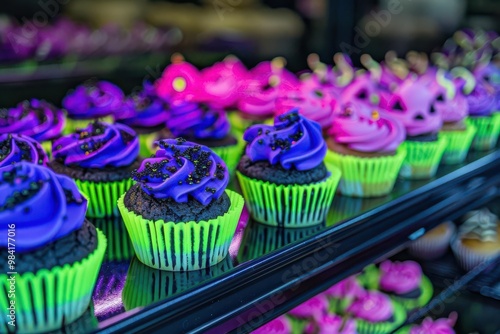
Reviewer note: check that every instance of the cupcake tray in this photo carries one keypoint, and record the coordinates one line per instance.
(271, 270)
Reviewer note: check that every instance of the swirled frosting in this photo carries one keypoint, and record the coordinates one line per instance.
(180, 170)
(364, 133)
(99, 145)
(482, 100)
(374, 306)
(197, 120)
(144, 109)
(16, 148)
(439, 326)
(43, 205)
(221, 82)
(452, 109)
(257, 98)
(348, 288)
(313, 308)
(180, 80)
(280, 325)
(400, 277)
(480, 225)
(331, 324)
(93, 100)
(35, 118)
(293, 142)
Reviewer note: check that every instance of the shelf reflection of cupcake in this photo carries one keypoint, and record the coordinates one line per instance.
(87, 323)
(146, 285)
(119, 244)
(261, 239)
(344, 207)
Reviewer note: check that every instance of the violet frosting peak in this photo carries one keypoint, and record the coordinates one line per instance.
(196, 120)
(363, 133)
(312, 308)
(293, 142)
(439, 326)
(450, 102)
(144, 109)
(331, 324)
(373, 306)
(35, 118)
(180, 170)
(99, 145)
(94, 100)
(482, 100)
(400, 277)
(15, 148)
(280, 325)
(43, 205)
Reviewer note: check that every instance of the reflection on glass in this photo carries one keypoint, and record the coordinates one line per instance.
(119, 244)
(344, 207)
(146, 285)
(107, 297)
(85, 324)
(261, 239)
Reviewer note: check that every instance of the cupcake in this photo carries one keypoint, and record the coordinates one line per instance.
(331, 324)
(55, 247)
(179, 215)
(38, 119)
(280, 325)
(16, 148)
(454, 109)
(306, 312)
(477, 239)
(100, 159)
(343, 293)
(367, 151)
(146, 114)
(283, 163)
(412, 103)
(405, 283)
(375, 313)
(94, 100)
(434, 243)
(430, 326)
(180, 80)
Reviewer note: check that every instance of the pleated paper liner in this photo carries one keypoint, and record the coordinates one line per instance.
(422, 158)
(289, 205)
(488, 130)
(183, 245)
(459, 143)
(369, 277)
(103, 196)
(260, 239)
(73, 124)
(467, 258)
(366, 327)
(430, 248)
(119, 245)
(425, 296)
(366, 177)
(345, 207)
(145, 285)
(87, 323)
(230, 154)
(49, 299)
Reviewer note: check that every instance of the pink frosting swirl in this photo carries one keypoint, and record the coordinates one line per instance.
(257, 98)
(362, 88)
(400, 277)
(367, 134)
(331, 324)
(313, 308)
(439, 326)
(179, 80)
(280, 325)
(348, 288)
(374, 306)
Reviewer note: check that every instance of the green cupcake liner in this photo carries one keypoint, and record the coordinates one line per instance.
(297, 325)
(459, 143)
(404, 330)
(103, 196)
(366, 177)
(73, 124)
(369, 277)
(230, 154)
(366, 327)
(422, 158)
(119, 245)
(50, 299)
(412, 303)
(289, 205)
(145, 285)
(338, 306)
(488, 130)
(183, 245)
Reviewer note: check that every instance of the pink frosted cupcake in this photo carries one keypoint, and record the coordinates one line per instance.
(280, 325)
(434, 243)
(429, 326)
(331, 324)
(406, 284)
(312, 309)
(180, 80)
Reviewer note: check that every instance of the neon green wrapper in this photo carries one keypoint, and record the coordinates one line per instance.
(289, 205)
(103, 196)
(145, 285)
(459, 143)
(73, 124)
(366, 327)
(488, 130)
(50, 299)
(366, 177)
(183, 245)
(424, 298)
(422, 158)
(369, 277)
(119, 244)
(230, 154)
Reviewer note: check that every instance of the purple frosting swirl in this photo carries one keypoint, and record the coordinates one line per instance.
(15, 148)
(93, 100)
(145, 109)
(293, 142)
(43, 205)
(99, 145)
(482, 100)
(35, 118)
(181, 169)
(197, 120)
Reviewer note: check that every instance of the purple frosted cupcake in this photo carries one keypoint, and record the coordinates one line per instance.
(280, 325)
(343, 293)
(15, 148)
(430, 326)
(92, 101)
(100, 159)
